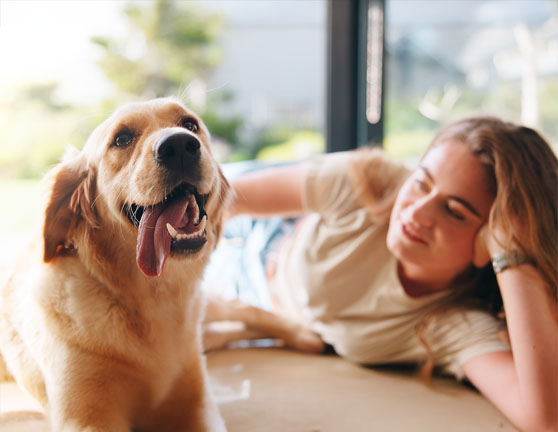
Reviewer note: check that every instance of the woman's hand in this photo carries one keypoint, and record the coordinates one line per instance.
(481, 253)
(489, 243)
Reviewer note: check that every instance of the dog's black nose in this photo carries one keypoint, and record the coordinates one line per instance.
(179, 152)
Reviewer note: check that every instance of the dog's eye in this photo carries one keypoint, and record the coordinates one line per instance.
(190, 124)
(123, 139)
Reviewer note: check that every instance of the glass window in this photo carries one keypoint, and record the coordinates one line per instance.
(272, 75)
(449, 59)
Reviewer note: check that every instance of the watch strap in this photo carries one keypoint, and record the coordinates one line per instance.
(504, 260)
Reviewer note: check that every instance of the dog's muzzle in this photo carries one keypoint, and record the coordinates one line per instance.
(176, 224)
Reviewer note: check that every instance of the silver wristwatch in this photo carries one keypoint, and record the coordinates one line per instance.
(503, 260)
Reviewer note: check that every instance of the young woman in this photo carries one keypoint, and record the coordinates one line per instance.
(434, 265)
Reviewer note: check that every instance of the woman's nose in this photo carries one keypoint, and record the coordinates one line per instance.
(422, 211)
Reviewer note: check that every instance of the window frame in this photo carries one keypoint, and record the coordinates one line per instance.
(347, 125)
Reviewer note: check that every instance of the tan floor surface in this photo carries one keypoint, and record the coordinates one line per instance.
(276, 390)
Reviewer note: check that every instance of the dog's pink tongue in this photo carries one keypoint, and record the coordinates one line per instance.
(154, 240)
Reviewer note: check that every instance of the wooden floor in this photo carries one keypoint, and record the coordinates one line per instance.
(276, 390)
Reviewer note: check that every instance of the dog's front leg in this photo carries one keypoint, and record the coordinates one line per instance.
(89, 394)
(189, 406)
(78, 415)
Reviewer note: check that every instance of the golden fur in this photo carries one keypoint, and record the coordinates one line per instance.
(100, 344)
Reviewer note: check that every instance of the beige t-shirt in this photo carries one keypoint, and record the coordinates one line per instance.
(337, 276)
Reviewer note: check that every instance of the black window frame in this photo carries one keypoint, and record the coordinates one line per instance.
(347, 125)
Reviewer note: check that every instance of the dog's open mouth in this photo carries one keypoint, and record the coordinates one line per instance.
(175, 225)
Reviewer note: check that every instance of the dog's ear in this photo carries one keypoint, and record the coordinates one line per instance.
(71, 197)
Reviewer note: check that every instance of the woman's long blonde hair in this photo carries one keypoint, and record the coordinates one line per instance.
(523, 172)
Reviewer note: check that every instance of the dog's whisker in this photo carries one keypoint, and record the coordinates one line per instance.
(95, 200)
(135, 216)
(183, 93)
(116, 200)
(120, 225)
(219, 87)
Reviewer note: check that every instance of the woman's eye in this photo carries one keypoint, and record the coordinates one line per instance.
(421, 185)
(190, 124)
(123, 139)
(454, 213)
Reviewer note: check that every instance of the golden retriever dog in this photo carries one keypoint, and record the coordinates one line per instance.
(100, 318)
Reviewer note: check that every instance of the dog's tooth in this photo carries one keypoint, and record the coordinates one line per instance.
(196, 218)
(202, 224)
(173, 233)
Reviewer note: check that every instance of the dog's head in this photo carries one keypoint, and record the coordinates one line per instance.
(146, 171)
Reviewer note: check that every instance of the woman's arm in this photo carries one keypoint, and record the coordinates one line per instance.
(272, 191)
(523, 384)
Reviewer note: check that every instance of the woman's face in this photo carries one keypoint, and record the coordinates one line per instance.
(438, 213)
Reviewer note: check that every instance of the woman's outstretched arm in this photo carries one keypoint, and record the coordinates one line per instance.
(271, 191)
(523, 384)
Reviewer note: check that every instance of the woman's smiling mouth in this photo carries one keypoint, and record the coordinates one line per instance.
(411, 234)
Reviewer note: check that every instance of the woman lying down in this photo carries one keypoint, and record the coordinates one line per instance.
(453, 265)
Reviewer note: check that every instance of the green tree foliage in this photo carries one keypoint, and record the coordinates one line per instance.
(36, 128)
(169, 44)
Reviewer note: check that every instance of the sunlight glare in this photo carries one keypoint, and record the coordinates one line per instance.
(46, 41)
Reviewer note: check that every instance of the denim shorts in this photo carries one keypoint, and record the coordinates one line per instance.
(237, 268)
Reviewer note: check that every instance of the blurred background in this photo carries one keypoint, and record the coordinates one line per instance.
(273, 79)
